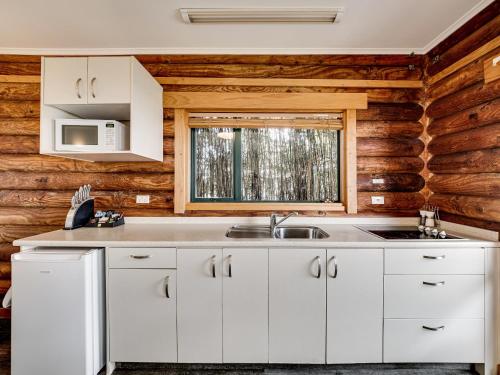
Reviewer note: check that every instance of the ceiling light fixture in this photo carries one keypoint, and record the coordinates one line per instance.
(270, 15)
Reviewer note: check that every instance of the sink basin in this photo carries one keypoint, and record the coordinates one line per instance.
(282, 232)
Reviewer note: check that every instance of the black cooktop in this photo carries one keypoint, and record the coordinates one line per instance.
(408, 233)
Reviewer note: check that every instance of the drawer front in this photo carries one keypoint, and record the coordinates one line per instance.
(434, 296)
(141, 257)
(435, 261)
(459, 341)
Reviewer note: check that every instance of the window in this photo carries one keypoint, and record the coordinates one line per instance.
(265, 164)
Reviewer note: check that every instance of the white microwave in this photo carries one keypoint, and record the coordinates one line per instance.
(81, 135)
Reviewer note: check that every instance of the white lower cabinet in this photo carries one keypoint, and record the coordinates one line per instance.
(434, 340)
(297, 305)
(199, 305)
(245, 305)
(354, 305)
(142, 315)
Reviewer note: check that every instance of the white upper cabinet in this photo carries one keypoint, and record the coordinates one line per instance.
(297, 305)
(109, 80)
(355, 305)
(65, 80)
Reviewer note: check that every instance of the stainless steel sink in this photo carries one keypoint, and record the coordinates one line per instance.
(282, 232)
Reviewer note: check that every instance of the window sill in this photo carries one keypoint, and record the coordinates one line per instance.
(265, 206)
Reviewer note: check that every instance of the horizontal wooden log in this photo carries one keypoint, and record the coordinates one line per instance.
(293, 60)
(168, 146)
(479, 115)
(389, 129)
(44, 163)
(458, 219)
(32, 216)
(369, 165)
(481, 161)
(11, 126)
(20, 68)
(6, 250)
(390, 112)
(379, 95)
(16, 109)
(482, 208)
(389, 147)
(5, 270)
(483, 184)
(19, 91)
(280, 71)
(22, 144)
(398, 182)
(4, 287)
(464, 99)
(467, 76)
(10, 233)
(168, 128)
(100, 181)
(392, 201)
(103, 199)
(20, 59)
(475, 139)
(468, 44)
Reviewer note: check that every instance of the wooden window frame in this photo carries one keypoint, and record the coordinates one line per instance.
(184, 103)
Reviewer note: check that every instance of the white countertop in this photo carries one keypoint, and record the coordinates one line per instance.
(208, 235)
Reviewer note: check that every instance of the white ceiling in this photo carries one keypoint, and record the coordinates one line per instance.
(154, 26)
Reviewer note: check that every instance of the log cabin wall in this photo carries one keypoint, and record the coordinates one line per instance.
(464, 122)
(35, 190)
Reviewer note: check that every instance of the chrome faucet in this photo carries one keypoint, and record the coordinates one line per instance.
(275, 224)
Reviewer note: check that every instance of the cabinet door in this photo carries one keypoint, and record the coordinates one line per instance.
(297, 305)
(109, 80)
(245, 305)
(65, 80)
(142, 315)
(199, 305)
(355, 305)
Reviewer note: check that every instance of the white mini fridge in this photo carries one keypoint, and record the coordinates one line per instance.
(58, 312)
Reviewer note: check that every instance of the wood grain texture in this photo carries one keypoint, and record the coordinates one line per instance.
(483, 184)
(482, 208)
(459, 219)
(389, 147)
(10, 233)
(390, 112)
(464, 99)
(389, 129)
(19, 91)
(480, 161)
(16, 126)
(393, 201)
(397, 182)
(479, 115)
(390, 165)
(19, 109)
(6, 250)
(469, 140)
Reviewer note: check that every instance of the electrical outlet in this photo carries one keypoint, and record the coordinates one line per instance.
(142, 199)
(377, 181)
(377, 200)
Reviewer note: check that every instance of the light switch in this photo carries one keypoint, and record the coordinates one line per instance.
(142, 199)
(377, 200)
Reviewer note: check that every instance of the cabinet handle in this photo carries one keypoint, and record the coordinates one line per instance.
(92, 86)
(140, 256)
(229, 266)
(435, 257)
(77, 88)
(335, 267)
(439, 283)
(319, 266)
(167, 279)
(433, 328)
(212, 265)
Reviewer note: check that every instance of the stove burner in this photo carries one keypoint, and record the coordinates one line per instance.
(407, 234)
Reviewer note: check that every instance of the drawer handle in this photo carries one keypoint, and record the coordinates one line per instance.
(212, 265)
(434, 257)
(140, 256)
(440, 328)
(77, 88)
(333, 259)
(439, 283)
(318, 275)
(167, 278)
(229, 266)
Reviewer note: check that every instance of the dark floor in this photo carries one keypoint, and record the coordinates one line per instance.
(174, 369)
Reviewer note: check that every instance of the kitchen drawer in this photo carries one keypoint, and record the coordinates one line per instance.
(453, 296)
(435, 261)
(141, 257)
(460, 341)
